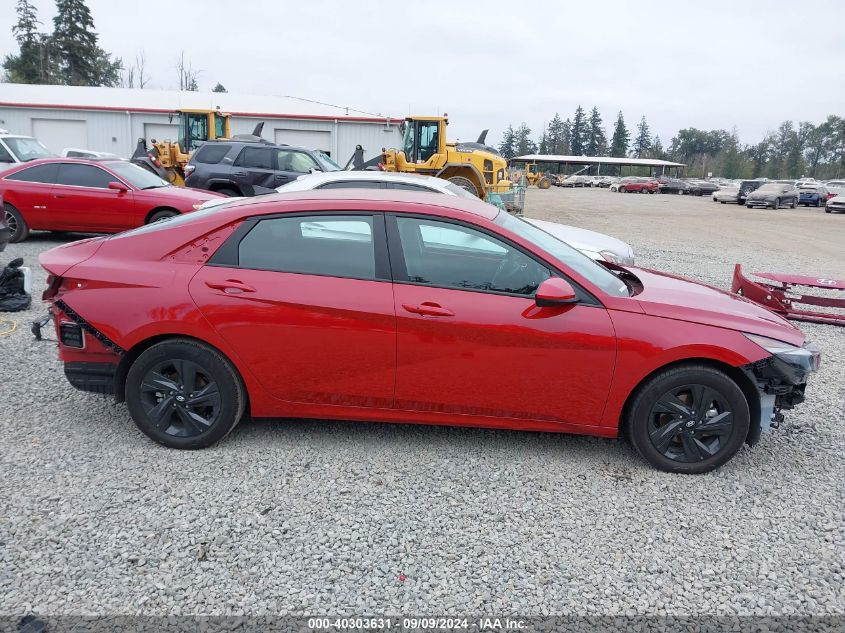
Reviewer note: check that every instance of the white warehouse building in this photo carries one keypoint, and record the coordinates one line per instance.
(113, 119)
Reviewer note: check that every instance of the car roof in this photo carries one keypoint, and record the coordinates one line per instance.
(319, 178)
(477, 208)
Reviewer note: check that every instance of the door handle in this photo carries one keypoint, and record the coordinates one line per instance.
(428, 308)
(59, 195)
(230, 286)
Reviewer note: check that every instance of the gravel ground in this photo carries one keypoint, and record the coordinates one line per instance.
(323, 517)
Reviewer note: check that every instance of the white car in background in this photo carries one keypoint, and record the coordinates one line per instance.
(836, 187)
(90, 154)
(728, 193)
(597, 246)
(16, 148)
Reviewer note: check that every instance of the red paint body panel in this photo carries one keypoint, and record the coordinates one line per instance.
(58, 207)
(326, 347)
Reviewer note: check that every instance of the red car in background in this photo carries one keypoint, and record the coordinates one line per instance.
(89, 196)
(638, 185)
(421, 308)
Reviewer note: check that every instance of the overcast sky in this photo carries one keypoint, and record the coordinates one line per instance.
(720, 64)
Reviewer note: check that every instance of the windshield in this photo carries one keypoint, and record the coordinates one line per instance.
(326, 162)
(27, 149)
(576, 260)
(136, 176)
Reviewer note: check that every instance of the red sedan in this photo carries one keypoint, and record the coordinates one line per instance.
(419, 308)
(90, 196)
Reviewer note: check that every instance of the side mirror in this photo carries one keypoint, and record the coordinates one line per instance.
(314, 170)
(555, 292)
(118, 186)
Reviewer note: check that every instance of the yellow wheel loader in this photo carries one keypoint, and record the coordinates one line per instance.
(475, 167)
(167, 158)
(532, 176)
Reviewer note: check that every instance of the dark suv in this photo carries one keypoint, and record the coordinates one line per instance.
(249, 168)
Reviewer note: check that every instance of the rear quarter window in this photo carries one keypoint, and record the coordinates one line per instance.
(211, 153)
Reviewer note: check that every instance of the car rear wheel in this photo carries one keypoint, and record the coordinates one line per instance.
(689, 419)
(183, 394)
(17, 225)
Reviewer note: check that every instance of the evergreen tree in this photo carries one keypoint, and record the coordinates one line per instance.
(578, 133)
(642, 144)
(596, 137)
(657, 149)
(523, 142)
(82, 61)
(35, 63)
(621, 138)
(557, 136)
(219, 88)
(566, 137)
(544, 144)
(731, 164)
(507, 148)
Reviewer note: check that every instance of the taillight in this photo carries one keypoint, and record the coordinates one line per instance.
(189, 169)
(53, 285)
(154, 159)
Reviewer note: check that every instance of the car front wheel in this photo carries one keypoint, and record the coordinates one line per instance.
(689, 419)
(183, 394)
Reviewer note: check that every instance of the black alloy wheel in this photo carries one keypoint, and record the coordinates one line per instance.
(184, 394)
(689, 419)
(690, 423)
(180, 398)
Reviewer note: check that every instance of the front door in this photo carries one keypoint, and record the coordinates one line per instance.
(307, 304)
(471, 340)
(82, 201)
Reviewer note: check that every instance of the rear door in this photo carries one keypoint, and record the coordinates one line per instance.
(82, 200)
(306, 303)
(254, 167)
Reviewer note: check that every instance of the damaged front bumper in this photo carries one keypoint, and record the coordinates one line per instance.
(780, 380)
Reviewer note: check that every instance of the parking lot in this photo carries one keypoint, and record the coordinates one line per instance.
(326, 517)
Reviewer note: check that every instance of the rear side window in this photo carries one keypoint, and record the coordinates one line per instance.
(84, 176)
(39, 173)
(211, 153)
(351, 184)
(255, 158)
(336, 246)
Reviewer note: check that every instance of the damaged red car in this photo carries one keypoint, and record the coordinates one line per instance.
(406, 307)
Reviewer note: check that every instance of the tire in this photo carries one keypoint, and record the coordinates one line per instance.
(185, 423)
(689, 419)
(544, 183)
(17, 225)
(466, 184)
(747, 206)
(159, 215)
(724, 202)
(228, 192)
(776, 204)
(826, 210)
(622, 190)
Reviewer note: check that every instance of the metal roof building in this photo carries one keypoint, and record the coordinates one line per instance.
(560, 164)
(113, 119)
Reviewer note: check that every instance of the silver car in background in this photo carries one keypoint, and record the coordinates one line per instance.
(773, 194)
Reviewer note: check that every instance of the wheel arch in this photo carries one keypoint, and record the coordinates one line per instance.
(736, 374)
(155, 210)
(129, 357)
(467, 170)
(217, 185)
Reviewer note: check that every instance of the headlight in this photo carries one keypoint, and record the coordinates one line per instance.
(616, 258)
(806, 358)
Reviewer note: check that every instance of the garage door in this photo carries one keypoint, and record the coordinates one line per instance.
(57, 134)
(310, 139)
(160, 132)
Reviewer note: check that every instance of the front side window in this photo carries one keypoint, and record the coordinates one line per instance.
(219, 126)
(298, 162)
(83, 176)
(138, 177)
(326, 161)
(337, 246)
(40, 173)
(196, 126)
(454, 256)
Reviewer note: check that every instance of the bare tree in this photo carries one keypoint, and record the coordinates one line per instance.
(187, 75)
(141, 65)
(127, 78)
